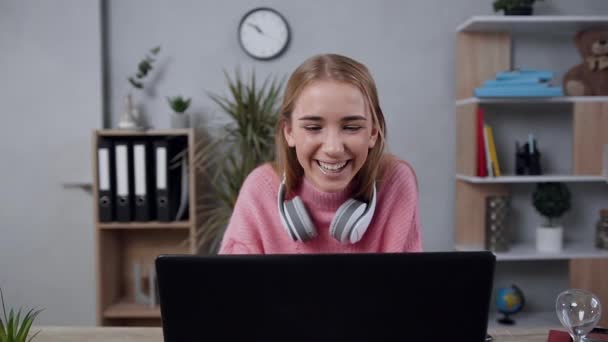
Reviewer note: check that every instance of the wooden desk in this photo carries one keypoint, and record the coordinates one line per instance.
(122, 334)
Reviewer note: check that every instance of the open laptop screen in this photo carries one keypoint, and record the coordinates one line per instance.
(346, 297)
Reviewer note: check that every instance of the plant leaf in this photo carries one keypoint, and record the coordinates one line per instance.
(246, 142)
(10, 327)
(32, 337)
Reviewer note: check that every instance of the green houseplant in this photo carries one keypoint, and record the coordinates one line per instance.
(515, 7)
(551, 200)
(246, 142)
(179, 119)
(14, 327)
(131, 117)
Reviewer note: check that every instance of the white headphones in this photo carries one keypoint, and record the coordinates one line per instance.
(348, 225)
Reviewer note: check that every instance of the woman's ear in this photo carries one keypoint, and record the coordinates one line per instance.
(374, 137)
(288, 133)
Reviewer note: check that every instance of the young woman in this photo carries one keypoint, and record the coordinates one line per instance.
(332, 188)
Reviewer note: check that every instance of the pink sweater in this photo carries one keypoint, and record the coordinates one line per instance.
(255, 226)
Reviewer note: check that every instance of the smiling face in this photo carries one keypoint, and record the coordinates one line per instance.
(331, 129)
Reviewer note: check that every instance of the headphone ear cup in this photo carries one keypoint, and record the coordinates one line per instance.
(345, 219)
(298, 220)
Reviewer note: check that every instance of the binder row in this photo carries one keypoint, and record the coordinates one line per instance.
(142, 179)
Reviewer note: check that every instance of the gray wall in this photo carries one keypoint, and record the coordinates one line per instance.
(54, 56)
(50, 92)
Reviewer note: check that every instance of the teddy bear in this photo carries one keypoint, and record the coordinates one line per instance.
(589, 78)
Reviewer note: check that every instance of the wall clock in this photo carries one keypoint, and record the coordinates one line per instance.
(264, 33)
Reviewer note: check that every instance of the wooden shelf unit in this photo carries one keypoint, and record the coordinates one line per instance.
(483, 48)
(532, 179)
(120, 244)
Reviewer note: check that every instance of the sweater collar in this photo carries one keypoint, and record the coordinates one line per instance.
(315, 198)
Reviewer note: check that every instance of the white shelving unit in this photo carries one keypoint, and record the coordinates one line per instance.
(533, 101)
(527, 251)
(528, 320)
(532, 179)
(531, 24)
(484, 46)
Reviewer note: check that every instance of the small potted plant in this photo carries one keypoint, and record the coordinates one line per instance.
(515, 7)
(551, 200)
(131, 117)
(15, 327)
(179, 119)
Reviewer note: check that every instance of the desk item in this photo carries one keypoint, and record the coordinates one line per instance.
(497, 228)
(579, 311)
(106, 180)
(527, 158)
(520, 83)
(326, 297)
(509, 301)
(601, 234)
(124, 181)
(596, 335)
(171, 169)
(143, 164)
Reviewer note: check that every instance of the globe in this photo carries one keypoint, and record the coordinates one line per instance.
(509, 301)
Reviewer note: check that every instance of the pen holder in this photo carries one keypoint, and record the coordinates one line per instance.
(526, 162)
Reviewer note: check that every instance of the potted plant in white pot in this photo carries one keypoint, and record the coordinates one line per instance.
(246, 142)
(131, 117)
(15, 327)
(179, 118)
(551, 200)
(515, 7)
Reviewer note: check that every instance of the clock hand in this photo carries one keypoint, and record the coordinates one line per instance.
(256, 27)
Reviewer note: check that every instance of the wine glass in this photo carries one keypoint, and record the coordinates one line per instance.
(578, 311)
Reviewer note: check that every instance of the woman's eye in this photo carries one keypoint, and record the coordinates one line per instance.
(312, 128)
(352, 128)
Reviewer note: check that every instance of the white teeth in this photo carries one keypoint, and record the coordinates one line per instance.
(331, 167)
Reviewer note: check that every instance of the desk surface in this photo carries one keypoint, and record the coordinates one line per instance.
(119, 334)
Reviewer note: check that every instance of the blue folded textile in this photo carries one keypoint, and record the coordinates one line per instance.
(543, 75)
(524, 81)
(522, 91)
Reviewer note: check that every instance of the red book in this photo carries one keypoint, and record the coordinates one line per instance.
(596, 335)
(482, 170)
(558, 336)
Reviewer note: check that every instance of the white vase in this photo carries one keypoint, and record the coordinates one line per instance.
(180, 120)
(130, 118)
(549, 239)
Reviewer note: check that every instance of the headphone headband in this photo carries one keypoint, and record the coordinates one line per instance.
(348, 225)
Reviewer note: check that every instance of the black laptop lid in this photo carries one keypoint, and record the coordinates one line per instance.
(347, 297)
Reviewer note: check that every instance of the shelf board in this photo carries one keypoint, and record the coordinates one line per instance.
(527, 251)
(154, 132)
(531, 24)
(532, 179)
(146, 225)
(532, 100)
(124, 309)
(526, 319)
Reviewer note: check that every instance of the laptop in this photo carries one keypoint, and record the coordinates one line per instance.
(431, 296)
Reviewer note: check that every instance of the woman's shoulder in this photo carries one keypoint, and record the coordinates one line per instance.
(262, 177)
(398, 171)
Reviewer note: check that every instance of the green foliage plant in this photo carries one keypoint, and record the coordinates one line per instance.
(178, 104)
(246, 142)
(143, 68)
(14, 327)
(508, 5)
(551, 200)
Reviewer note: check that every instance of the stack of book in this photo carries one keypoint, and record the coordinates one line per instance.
(487, 158)
(520, 83)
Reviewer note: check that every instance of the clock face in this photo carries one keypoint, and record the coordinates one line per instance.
(263, 33)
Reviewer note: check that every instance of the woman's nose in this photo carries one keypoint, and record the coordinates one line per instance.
(333, 143)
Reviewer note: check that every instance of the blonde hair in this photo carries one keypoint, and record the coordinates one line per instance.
(342, 69)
